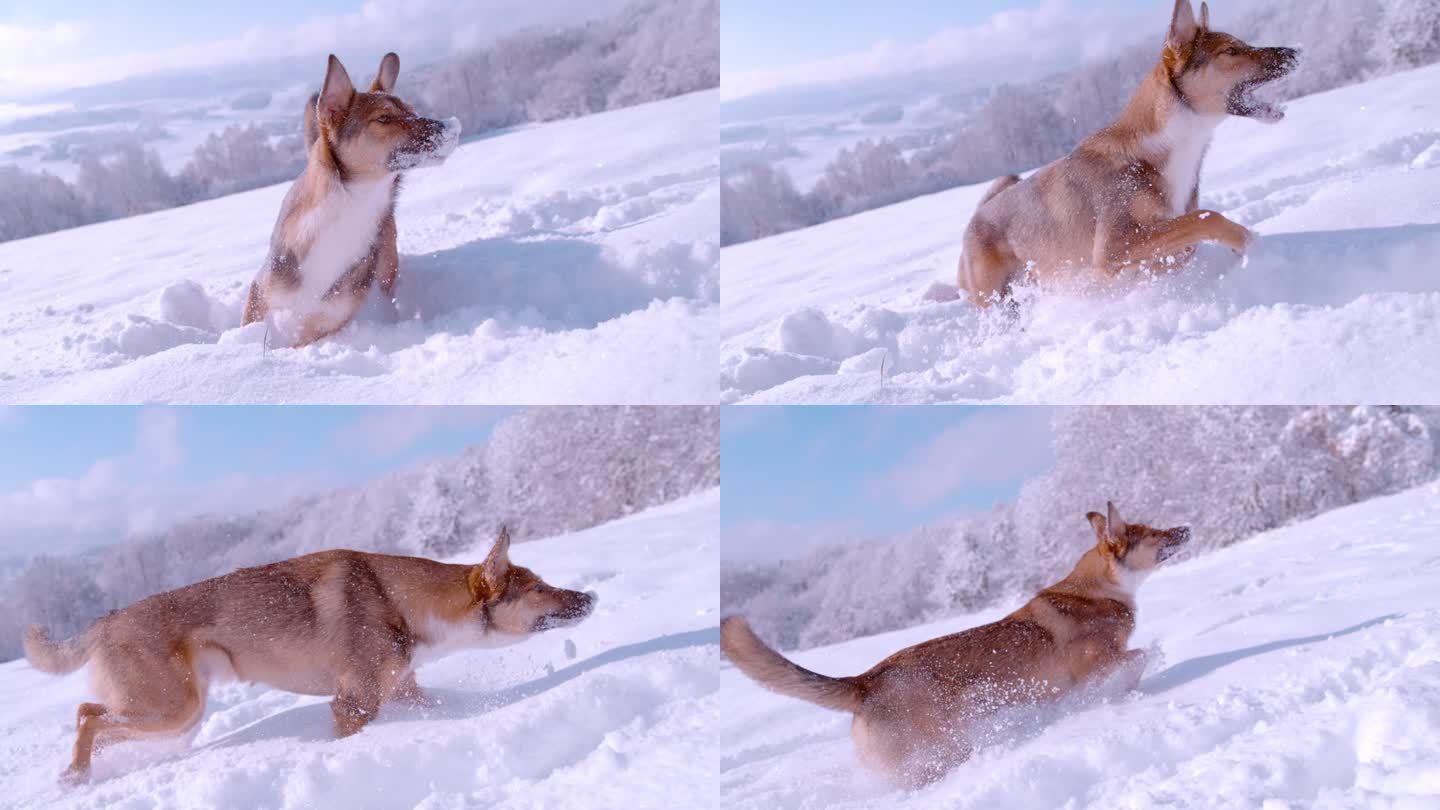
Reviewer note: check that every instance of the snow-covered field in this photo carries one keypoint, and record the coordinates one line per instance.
(1299, 668)
(626, 724)
(1339, 301)
(572, 262)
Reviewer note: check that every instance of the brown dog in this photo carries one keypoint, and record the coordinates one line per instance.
(343, 623)
(335, 236)
(917, 712)
(1129, 194)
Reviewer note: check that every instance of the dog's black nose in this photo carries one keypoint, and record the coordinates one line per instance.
(1284, 60)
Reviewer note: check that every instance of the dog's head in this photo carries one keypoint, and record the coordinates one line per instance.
(1133, 548)
(1217, 73)
(516, 602)
(376, 133)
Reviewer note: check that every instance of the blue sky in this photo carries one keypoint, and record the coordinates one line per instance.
(769, 45)
(76, 476)
(797, 476)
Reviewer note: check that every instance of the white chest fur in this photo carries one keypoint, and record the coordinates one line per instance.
(1179, 150)
(442, 638)
(341, 230)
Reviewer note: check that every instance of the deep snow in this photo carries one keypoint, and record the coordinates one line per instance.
(627, 723)
(1337, 302)
(574, 262)
(1299, 668)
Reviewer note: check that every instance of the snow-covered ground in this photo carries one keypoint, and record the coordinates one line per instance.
(626, 724)
(1339, 301)
(1299, 668)
(572, 262)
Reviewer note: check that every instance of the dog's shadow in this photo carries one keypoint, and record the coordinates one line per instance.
(314, 722)
(549, 284)
(1198, 667)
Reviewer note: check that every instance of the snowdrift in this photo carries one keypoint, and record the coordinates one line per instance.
(1337, 302)
(1300, 668)
(626, 723)
(574, 262)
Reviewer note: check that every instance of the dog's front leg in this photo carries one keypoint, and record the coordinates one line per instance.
(1133, 244)
(356, 704)
(255, 309)
(387, 267)
(1130, 668)
(407, 691)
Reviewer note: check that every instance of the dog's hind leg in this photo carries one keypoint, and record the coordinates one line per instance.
(987, 266)
(147, 696)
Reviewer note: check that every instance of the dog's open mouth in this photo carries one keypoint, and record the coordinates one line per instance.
(1245, 99)
(1244, 102)
(1172, 545)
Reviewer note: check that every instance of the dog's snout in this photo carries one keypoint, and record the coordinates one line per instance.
(1182, 534)
(1280, 61)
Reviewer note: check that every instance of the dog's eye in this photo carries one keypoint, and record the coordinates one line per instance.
(385, 119)
(1232, 51)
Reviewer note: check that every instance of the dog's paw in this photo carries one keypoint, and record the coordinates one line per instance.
(74, 776)
(940, 292)
(1243, 240)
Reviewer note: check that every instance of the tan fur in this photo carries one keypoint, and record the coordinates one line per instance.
(342, 623)
(918, 713)
(351, 140)
(1129, 194)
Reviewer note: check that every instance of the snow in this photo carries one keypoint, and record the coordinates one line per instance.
(572, 262)
(624, 724)
(1299, 668)
(1336, 302)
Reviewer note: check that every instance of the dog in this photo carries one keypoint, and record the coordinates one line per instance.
(346, 624)
(1129, 194)
(919, 712)
(335, 236)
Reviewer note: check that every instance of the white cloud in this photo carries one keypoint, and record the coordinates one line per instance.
(1053, 31)
(391, 431)
(75, 54)
(139, 491)
(998, 445)
(771, 540)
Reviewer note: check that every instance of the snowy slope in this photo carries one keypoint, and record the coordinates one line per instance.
(1345, 193)
(1301, 668)
(625, 724)
(571, 262)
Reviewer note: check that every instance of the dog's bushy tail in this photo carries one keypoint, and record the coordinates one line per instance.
(1000, 184)
(778, 674)
(55, 657)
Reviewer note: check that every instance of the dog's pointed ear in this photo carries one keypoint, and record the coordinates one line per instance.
(1109, 527)
(387, 74)
(1097, 522)
(1204, 16)
(1183, 28)
(1113, 522)
(335, 94)
(486, 578)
